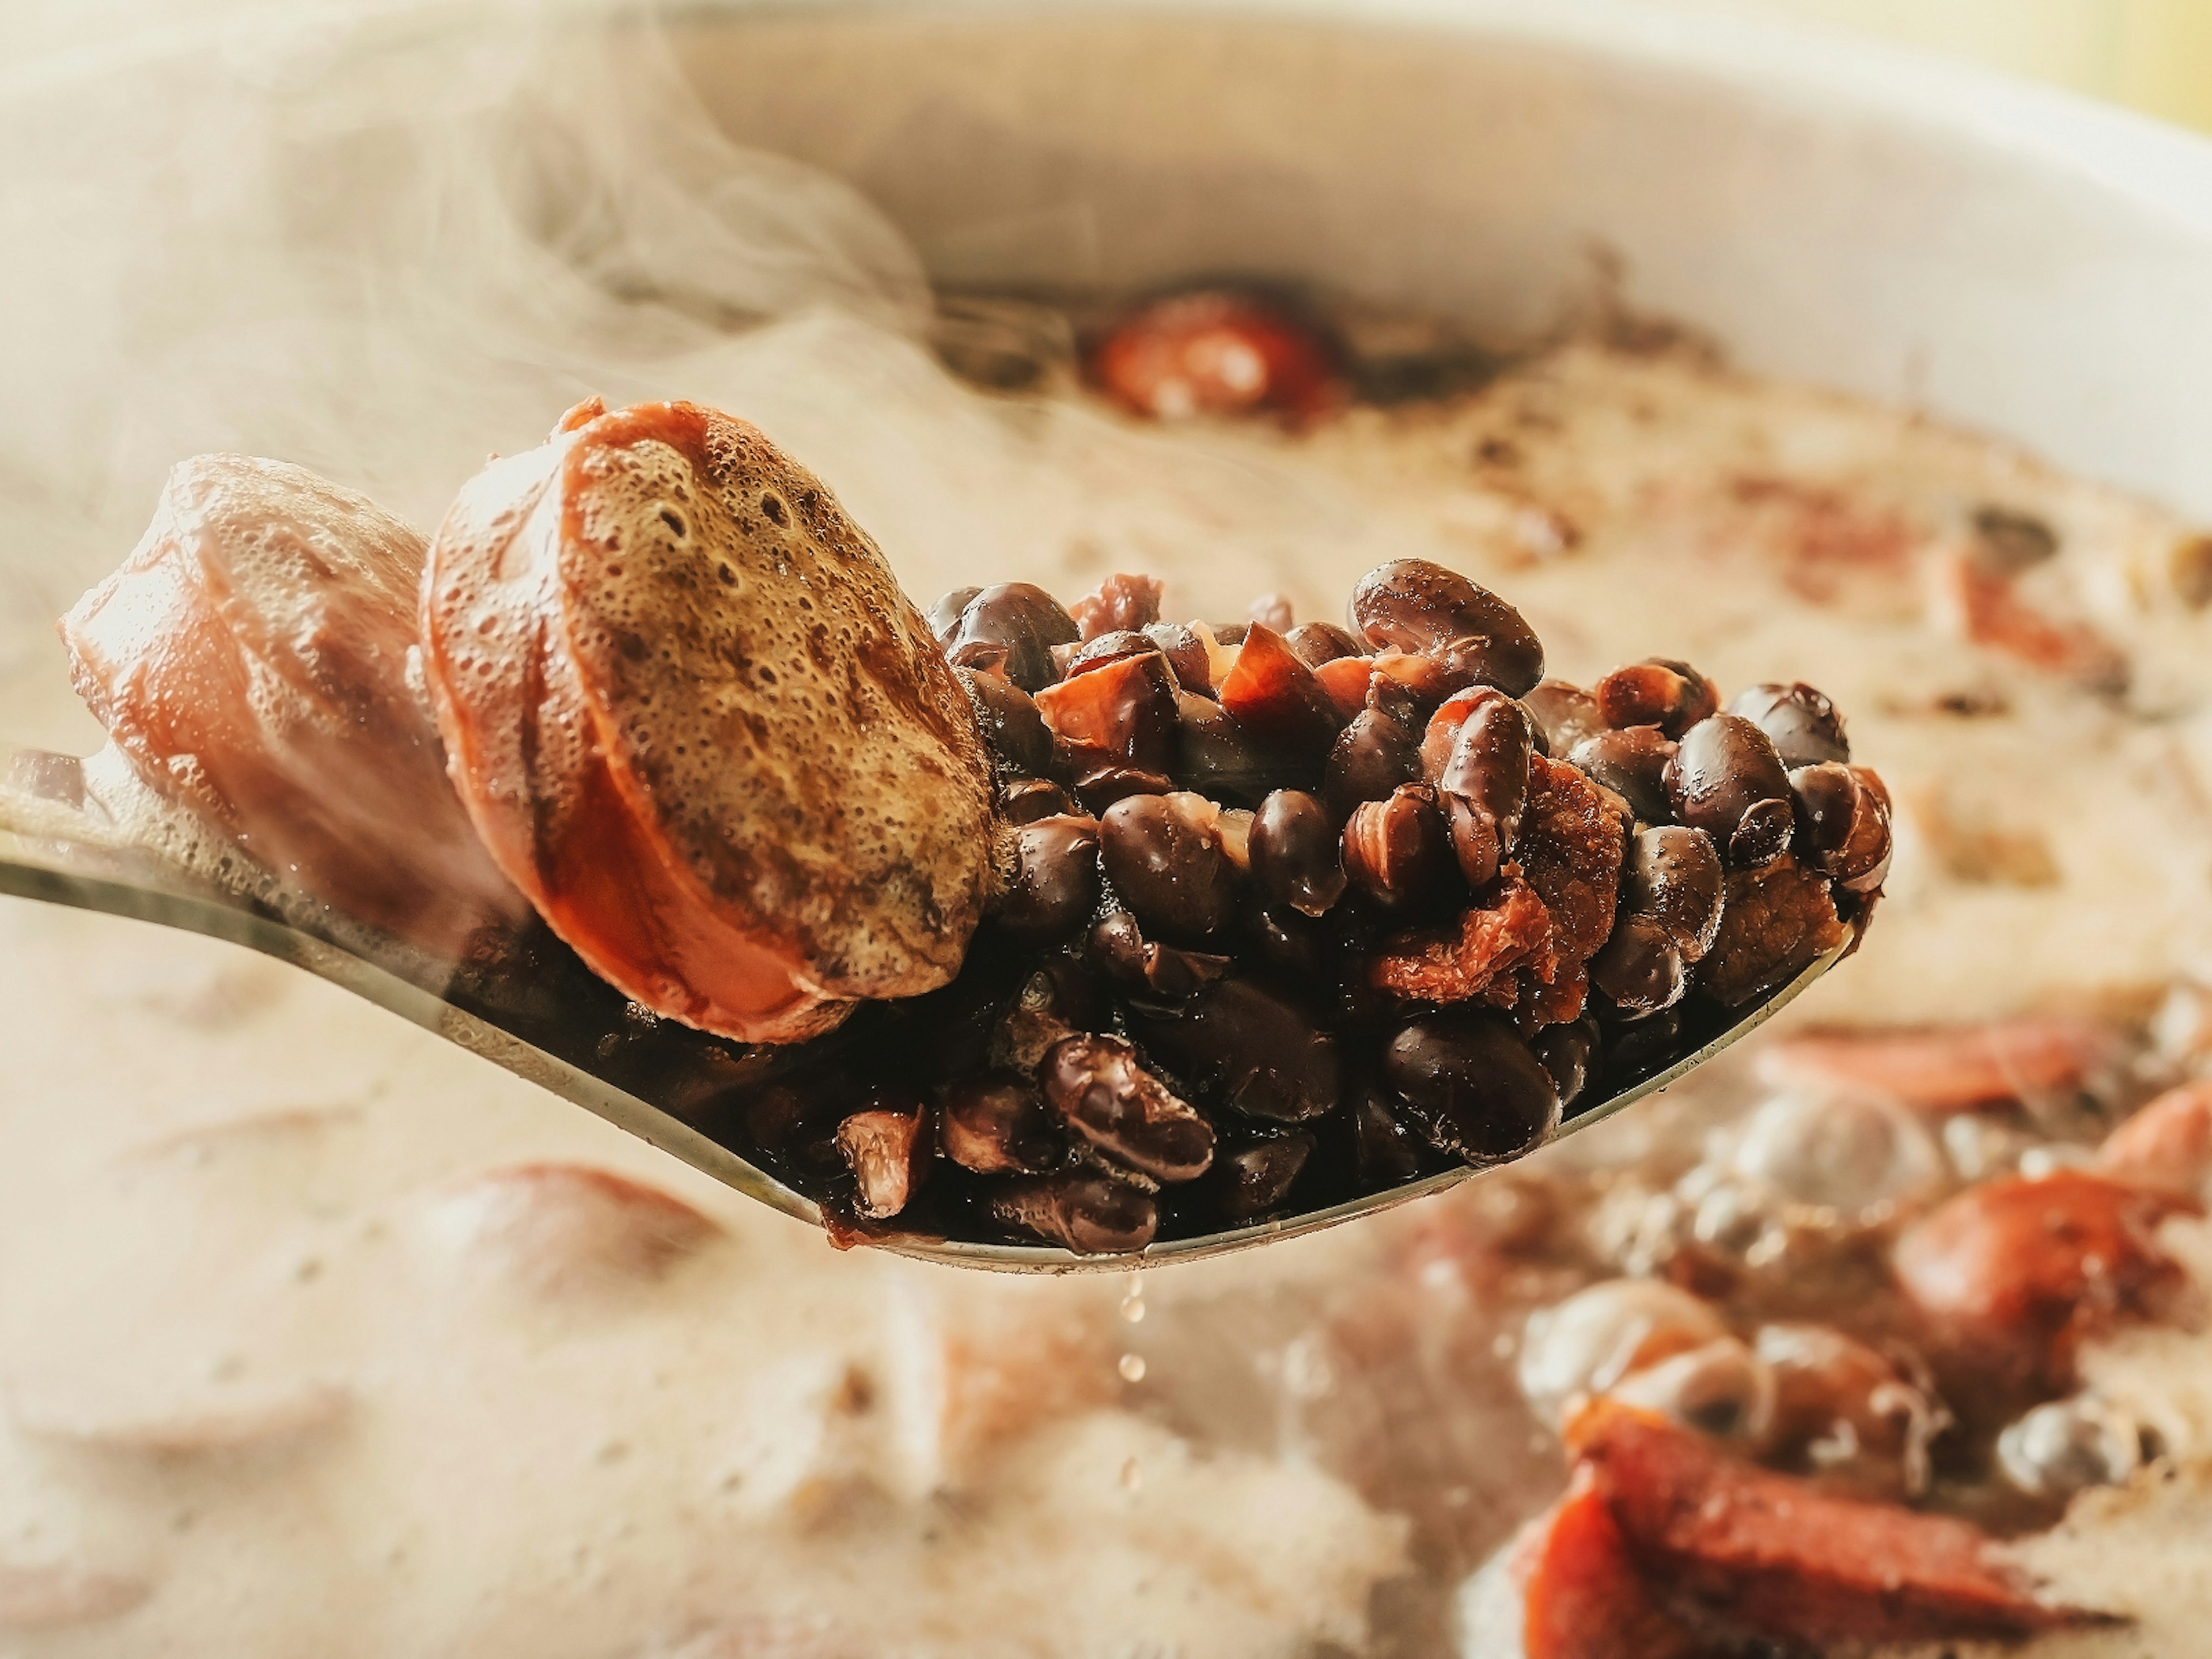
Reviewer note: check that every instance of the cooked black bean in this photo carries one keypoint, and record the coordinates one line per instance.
(1376, 753)
(1118, 945)
(1484, 784)
(1633, 763)
(1103, 1092)
(1021, 620)
(1386, 1149)
(1294, 852)
(1161, 854)
(1639, 970)
(1060, 998)
(1010, 721)
(1844, 817)
(945, 614)
(1471, 1084)
(1028, 799)
(1255, 1179)
(1763, 835)
(1635, 1050)
(2009, 541)
(1721, 769)
(1802, 725)
(1564, 713)
(1106, 647)
(1229, 633)
(1101, 787)
(1249, 1047)
(1288, 944)
(997, 1123)
(1657, 691)
(1215, 756)
(1416, 606)
(1316, 643)
(1399, 852)
(889, 1148)
(1089, 1214)
(1055, 881)
(1186, 655)
(1569, 1053)
(1673, 876)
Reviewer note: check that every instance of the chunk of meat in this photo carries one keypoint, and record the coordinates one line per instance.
(2168, 1145)
(1947, 1068)
(1121, 603)
(1581, 1594)
(1773, 1557)
(1985, 606)
(1473, 957)
(1215, 353)
(1573, 836)
(696, 720)
(250, 659)
(2013, 1272)
(1776, 921)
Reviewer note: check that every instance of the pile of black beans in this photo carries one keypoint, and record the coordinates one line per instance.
(1295, 913)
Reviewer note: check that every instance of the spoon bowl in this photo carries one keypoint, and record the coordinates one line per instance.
(59, 846)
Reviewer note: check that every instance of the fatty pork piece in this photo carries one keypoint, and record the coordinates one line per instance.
(250, 660)
(694, 718)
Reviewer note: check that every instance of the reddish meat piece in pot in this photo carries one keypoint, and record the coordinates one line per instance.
(250, 659)
(696, 720)
(1772, 1557)
(1582, 1596)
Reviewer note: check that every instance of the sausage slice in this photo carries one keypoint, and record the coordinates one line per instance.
(696, 720)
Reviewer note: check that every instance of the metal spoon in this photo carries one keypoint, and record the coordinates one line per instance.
(57, 846)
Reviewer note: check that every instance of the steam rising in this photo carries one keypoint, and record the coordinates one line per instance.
(386, 247)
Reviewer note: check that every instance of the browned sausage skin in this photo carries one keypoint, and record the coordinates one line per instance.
(696, 720)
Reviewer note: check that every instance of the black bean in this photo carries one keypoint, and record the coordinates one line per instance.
(945, 614)
(1229, 633)
(1414, 605)
(1055, 882)
(1217, 756)
(1162, 971)
(1253, 1049)
(1638, 969)
(1569, 1053)
(1721, 769)
(1564, 713)
(888, 1146)
(1288, 944)
(1763, 835)
(1103, 785)
(1386, 1149)
(1030, 799)
(1673, 876)
(1483, 783)
(1163, 857)
(1633, 763)
(1009, 721)
(1802, 725)
(1294, 852)
(1471, 1084)
(1121, 713)
(1186, 655)
(996, 1123)
(1657, 691)
(1106, 647)
(1021, 620)
(1399, 852)
(1060, 997)
(1316, 643)
(1103, 1092)
(1089, 1214)
(1844, 812)
(1378, 751)
(1258, 1178)
(1634, 1051)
